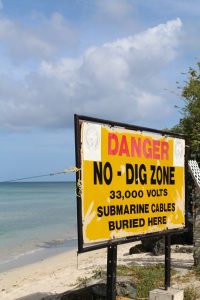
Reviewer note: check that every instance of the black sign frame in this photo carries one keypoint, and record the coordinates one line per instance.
(78, 119)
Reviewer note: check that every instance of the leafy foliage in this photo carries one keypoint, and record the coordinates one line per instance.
(190, 122)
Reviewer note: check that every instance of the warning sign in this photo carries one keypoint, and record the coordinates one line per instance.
(132, 181)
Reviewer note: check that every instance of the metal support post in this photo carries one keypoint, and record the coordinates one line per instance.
(111, 271)
(167, 260)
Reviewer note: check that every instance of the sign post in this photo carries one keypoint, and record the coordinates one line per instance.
(111, 271)
(167, 260)
(131, 185)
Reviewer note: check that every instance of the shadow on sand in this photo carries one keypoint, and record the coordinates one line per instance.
(40, 296)
(93, 292)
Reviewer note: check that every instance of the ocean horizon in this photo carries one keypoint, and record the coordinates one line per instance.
(37, 220)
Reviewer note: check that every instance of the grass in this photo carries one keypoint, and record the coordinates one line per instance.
(190, 293)
(82, 281)
(196, 270)
(146, 278)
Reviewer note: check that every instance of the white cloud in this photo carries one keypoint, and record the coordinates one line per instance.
(41, 40)
(120, 80)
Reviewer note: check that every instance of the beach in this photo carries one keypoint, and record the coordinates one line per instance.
(62, 272)
(38, 245)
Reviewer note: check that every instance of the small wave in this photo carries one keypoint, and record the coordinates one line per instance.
(59, 243)
(18, 256)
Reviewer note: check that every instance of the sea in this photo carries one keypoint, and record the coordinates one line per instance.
(37, 220)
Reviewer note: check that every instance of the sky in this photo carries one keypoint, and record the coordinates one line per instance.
(121, 60)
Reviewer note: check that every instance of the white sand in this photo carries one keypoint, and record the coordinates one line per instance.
(60, 273)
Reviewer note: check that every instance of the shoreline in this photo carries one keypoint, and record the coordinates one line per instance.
(57, 274)
(46, 250)
(37, 220)
(50, 276)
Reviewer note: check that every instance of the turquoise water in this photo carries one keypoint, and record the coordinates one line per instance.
(36, 220)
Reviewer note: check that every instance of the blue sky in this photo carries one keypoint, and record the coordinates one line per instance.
(112, 59)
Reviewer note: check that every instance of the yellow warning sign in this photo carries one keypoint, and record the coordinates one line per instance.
(132, 182)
